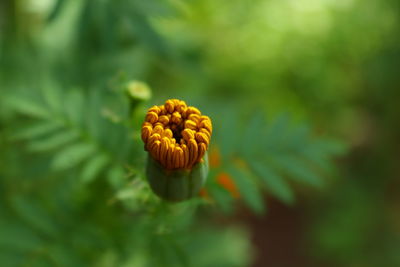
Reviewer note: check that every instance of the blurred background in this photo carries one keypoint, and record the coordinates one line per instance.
(304, 158)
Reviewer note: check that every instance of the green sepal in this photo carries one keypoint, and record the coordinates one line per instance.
(176, 185)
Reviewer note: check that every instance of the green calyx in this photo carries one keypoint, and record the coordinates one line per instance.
(176, 185)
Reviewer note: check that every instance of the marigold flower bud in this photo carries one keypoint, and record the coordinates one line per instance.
(177, 138)
(138, 91)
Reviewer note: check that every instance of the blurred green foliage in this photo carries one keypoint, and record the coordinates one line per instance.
(289, 86)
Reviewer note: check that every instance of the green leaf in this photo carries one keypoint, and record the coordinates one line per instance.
(331, 146)
(222, 197)
(93, 167)
(73, 155)
(277, 132)
(63, 255)
(10, 257)
(273, 182)
(34, 215)
(116, 176)
(95, 125)
(74, 106)
(58, 6)
(317, 156)
(54, 141)
(299, 138)
(27, 107)
(18, 237)
(227, 141)
(297, 170)
(52, 95)
(248, 188)
(37, 130)
(252, 132)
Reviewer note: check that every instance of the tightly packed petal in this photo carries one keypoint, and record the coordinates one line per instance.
(176, 135)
